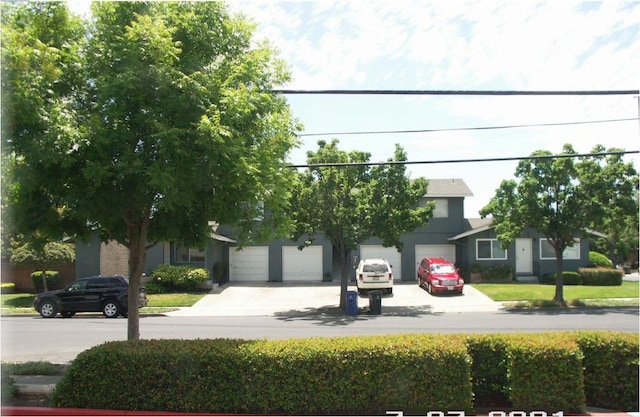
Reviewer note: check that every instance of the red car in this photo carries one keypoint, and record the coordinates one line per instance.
(439, 275)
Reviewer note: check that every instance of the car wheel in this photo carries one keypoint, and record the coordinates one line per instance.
(48, 309)
(67, 314)
(111, 309)
(429, 290)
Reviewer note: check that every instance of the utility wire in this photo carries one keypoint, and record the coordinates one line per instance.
(377, 132)
(455, 161)
(463, 92)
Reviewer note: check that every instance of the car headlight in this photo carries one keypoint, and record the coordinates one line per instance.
(436, 282)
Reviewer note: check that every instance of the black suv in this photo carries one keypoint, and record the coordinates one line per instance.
(106, 294)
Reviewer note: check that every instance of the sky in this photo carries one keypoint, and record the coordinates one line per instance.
(455, 45)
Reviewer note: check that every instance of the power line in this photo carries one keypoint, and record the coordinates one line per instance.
(466, 128)
(456, 161)
(464, 92)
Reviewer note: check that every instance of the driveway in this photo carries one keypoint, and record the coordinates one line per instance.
(281, 299)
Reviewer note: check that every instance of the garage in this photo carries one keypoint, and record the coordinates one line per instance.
(302, 265)
(390, 254)
(249, 264)
(447, 252)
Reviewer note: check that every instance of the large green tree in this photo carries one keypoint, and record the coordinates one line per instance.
(171, 125)
(43, 257)
(615, 182)
(351, 202)
(554, 196)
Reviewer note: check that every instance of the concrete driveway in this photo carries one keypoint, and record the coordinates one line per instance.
(281, 299)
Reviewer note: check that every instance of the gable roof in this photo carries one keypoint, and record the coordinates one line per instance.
(473, 226)
(477, 225)
(448, 187)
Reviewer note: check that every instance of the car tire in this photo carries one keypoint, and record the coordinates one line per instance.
(429, 290)
(111, 309)
(48, 309)
(67, 314)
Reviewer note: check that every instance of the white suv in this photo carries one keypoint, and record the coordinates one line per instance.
(374, 274)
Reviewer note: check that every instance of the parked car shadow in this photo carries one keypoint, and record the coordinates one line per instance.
(332, 315)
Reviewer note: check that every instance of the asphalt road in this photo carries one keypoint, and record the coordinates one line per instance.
(60, 340)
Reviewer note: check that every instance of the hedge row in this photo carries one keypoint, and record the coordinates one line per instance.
(587, 276)
(357, 375)
(167, 278)
(53, 280)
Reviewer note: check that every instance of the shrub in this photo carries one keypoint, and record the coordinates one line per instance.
(299, 376)
(601, 276)
(616, 356)
(488, 369)
(8, 288)
(498, 273)
(7, 387)
(598, 259)
(177, 278)
(544, 372)
(568, 278)
(52, 277)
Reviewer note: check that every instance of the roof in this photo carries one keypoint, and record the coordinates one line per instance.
(448, 187)
(474, 226)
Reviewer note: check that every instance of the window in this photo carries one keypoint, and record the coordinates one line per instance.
(185, 255)
(441, 209)
(490, 249)
(547, 251)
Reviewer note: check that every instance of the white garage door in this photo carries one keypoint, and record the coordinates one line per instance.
(249, 264)
(390, 254)
(447, 252)
(302, 265)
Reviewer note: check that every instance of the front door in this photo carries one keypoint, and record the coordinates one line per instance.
(524, 259)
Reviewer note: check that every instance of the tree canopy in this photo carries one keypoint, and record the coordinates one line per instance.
(350, 204)
(560, 197)
(144, 124)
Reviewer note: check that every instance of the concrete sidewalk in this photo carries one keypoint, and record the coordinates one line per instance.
(272, 298)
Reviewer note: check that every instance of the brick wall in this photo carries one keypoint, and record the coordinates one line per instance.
(114, 259)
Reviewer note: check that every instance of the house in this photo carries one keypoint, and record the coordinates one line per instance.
(448, 234)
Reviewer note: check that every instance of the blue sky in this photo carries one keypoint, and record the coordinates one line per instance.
(454, 45)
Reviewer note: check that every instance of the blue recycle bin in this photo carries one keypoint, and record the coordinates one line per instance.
(352, 303)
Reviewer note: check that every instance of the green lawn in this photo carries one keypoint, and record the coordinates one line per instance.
(524, 292)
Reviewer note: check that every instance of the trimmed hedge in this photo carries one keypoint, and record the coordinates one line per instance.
(358, 375)
(601, 276)
(610, 369)
(544, 372)
(568, 278)
(52, 277)
(353, 375)
(166, 278)
(599, 259)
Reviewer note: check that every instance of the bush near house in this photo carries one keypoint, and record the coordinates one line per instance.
(170, 278)
(53, 280)
(568, 278)
(601, 276)
(598, 259)
(416, 372)
(497, 273)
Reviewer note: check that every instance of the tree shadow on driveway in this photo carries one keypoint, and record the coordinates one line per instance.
(332, 315)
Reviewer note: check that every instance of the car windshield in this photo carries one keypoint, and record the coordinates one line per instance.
(442, 268)
(374, 268)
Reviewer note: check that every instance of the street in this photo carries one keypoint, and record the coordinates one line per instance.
(60, 340)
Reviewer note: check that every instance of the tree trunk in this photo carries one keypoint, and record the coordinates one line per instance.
(559, 297)
(137, 256)
(45, 287)
(345, 266)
